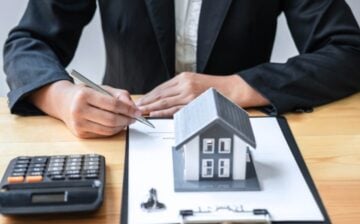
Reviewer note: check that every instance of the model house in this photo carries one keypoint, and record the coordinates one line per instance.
(215, 135)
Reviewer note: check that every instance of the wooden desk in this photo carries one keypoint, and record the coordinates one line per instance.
(329, 139)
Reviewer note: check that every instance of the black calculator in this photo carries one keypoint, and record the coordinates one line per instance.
(53, 184)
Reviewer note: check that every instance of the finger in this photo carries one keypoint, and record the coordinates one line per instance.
(124, 96)
(98, 129)
(155, 96)
(165, 89)
(119, 93)
(167, 112)
(127, 99)
(106, 118)
(87, 135)
(120, 105)
(163, 104)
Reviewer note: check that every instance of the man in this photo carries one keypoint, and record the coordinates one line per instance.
(175, 50)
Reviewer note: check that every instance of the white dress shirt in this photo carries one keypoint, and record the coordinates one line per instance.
(187, 13)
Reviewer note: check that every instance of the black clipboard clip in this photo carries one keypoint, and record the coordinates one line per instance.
(224, 214)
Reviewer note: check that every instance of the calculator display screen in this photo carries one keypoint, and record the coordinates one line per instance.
(48, 198)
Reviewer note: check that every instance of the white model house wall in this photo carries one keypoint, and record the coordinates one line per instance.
(239, 159)
(191, 156)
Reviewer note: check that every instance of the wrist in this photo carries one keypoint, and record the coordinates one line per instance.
(242, 93)
(52, 98)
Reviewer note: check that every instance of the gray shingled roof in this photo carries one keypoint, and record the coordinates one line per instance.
(208, 108)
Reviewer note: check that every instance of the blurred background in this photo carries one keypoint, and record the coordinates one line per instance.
(90, 55)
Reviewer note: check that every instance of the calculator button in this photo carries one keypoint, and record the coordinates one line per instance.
(23, 158)
(22, 162)
(92, 156)
(91, 163)
(58, 177)
(91, 167)
(34, 173)
(36, 169)
(39, 165)
(71, 172)
(92, 159)
(15, 180)
(39, 160)
(14, 174)
(55, 169)
(53, 173)
(73, 168)
(58, 157)
(72, 160)
(74, 156)
(19, 166)
(34, 179)
(74, 177)
(91, 171)
(91, 176)
(19, 170)
(57, 160)
(73, 164)
(54, 164)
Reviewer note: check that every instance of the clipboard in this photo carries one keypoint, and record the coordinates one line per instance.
(238, 215)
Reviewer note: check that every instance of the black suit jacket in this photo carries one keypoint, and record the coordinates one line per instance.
(235, 36)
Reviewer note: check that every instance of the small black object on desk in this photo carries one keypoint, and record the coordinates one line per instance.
(152, 203)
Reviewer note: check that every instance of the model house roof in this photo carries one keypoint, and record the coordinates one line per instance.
(209, 108)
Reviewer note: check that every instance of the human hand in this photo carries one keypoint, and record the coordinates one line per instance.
(88, 113)
(93, 114)
(169, 97)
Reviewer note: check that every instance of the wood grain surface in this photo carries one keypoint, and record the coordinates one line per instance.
(329, 140)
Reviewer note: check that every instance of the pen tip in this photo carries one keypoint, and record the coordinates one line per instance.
(145, 121)
(150, 124)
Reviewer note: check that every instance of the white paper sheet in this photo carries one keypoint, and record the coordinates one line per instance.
(284, 192)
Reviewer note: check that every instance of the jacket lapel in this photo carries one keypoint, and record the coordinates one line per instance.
(162, 16)
(213, 13)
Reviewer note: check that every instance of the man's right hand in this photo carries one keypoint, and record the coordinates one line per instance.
(87, 113)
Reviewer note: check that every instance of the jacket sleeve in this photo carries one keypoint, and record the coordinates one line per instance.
(328, 66)
(41, 45)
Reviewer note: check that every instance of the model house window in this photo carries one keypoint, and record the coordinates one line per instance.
(224, 168)
(208, 145)
(207, 168)
(224, 145)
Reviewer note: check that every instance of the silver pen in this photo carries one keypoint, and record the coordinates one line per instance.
(98, 88)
